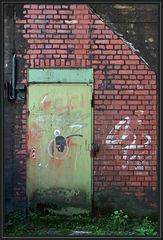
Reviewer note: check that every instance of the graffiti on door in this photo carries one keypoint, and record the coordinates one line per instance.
(58, 147)
(60, 104)
(66, 125)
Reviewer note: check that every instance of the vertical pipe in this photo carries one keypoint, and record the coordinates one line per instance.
(13, 77)
(12, 91)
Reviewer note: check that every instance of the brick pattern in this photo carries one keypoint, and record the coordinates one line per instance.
(125, 116)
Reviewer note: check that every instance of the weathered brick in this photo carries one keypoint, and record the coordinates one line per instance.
(49, 12)
(117, 41)
(33, 51)
(134, 57)
(49, 6)
(102, 41)
(136, 184)
(34, 12)
(131, 62)
(34, 6)
(117, 62)
(125, 72)
(140, 72)
(142, 92)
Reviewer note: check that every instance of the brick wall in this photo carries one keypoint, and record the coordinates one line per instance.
(125, 116)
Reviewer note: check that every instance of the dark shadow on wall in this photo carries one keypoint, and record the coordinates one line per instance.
(108, 201)
(12, 110)
(9, 113)
(136, 23)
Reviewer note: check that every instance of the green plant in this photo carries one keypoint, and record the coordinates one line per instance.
(146, 228)
(15, 217)
(116, 224)
(118, 220)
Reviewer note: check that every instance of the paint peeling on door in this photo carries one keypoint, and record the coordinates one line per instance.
(58, 134)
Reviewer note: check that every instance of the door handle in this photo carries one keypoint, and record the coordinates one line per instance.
(95, 148)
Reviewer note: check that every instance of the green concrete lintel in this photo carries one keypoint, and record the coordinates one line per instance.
(78, 75)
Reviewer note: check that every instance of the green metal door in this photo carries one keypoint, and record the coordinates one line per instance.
(59, 144)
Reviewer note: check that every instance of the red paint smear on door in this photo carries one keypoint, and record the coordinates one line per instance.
(46, 105)
(55, 162)
(58, 163)
(34, 133)
(70, 143)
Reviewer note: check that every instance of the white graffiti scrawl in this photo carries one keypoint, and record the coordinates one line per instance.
(124, 137)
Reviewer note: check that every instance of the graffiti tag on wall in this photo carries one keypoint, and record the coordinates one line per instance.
(124, 136)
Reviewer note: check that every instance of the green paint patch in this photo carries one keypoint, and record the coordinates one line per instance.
(61, 75)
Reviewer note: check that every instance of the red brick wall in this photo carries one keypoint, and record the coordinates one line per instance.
(125, 117)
